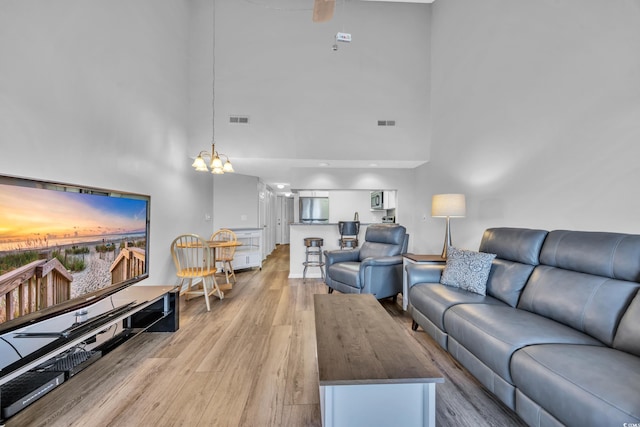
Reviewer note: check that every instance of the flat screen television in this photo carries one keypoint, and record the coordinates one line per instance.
(63, 247)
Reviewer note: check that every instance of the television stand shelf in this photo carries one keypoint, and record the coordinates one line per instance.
(77, 344)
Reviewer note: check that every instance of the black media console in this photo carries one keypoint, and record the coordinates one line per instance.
(42, 356)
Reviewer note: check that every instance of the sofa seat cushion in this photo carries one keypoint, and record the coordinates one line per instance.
(580, 385)
(494, 332)
(433, 299)
(346, 272)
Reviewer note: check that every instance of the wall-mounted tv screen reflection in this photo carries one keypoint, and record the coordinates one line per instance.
(62, 244)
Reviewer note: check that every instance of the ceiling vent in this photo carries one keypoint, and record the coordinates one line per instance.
(239, 120)
(386, 122)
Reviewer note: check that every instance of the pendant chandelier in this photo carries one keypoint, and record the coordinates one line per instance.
(215, 163)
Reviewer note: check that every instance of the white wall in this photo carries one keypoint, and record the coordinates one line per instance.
(96, 93)
(304, 100)
(273, 64)
(235, 201)
(344, 204)
(536, 116)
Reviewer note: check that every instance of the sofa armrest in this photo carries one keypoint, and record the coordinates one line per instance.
(381, 261)
(423, 273)
(381, 276)
(332, 257)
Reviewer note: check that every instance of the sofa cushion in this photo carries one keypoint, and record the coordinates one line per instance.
(611, 255)
(517, 251)
(628, 334)
(383, 240)
(507, 279)
(580, 385)
(494, 332)
(520, 245)
(433, 299)
(346, 272)
(588, 303)
(468, 270)
(377, 250)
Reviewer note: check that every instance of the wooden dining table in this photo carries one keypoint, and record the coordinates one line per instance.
(217, 244)
(214, 244)
(223, 243)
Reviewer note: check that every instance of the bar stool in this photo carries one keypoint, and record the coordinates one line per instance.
(349, 231)
(313, 255)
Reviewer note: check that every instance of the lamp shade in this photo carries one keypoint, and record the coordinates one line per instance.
(228, 167)
(448, 205)
(216, 163)
(199, 164)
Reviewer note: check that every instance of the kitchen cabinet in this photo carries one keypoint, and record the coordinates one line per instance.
(389, 200)
(249, 254)
(313, 193)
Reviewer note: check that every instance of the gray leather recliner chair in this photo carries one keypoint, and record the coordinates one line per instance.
(374, 268)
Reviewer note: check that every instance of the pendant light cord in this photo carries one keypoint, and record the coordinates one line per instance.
(213, 77)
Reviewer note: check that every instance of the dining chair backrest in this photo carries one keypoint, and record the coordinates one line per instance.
(191, 256)
(225, 235)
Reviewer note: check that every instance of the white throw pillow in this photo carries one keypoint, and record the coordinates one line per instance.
(467, 270)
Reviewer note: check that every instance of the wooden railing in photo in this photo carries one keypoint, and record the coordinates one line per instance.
(32, 287)
(129, 263)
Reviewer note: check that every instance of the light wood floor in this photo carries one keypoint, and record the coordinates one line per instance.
(250, 361)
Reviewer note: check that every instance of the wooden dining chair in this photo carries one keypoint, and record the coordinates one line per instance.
(194, 263)
(225, 255)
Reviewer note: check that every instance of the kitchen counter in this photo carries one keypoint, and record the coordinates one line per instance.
(335, 224)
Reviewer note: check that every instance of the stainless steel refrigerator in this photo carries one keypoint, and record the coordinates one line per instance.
(314, 210)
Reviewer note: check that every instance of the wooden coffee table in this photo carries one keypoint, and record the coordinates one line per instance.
(370, 372)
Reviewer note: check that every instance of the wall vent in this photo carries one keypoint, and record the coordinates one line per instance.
(239, 120)
(386, 122)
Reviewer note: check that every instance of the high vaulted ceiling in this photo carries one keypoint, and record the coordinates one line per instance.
(309, 105)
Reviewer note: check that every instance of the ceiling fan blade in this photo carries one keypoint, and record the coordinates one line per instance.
(323, 10)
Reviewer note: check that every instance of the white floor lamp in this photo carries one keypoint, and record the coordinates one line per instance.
(448, 206)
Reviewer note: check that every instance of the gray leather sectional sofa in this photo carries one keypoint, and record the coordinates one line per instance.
(557, 335)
